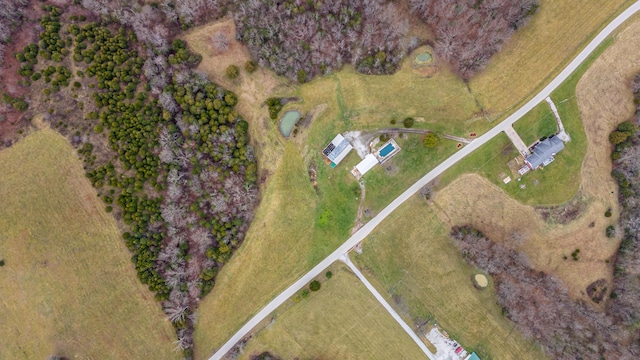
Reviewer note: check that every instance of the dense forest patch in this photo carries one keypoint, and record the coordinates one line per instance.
(468, 33)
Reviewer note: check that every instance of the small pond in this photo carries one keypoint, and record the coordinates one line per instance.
(288, 120)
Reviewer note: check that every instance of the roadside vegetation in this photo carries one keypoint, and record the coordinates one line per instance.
(341, 320)
(67, 285)
(539, 51)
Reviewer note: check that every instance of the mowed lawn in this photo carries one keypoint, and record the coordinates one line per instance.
(340, 321)
(68, 286)
(539, 50)
(537, 123)
(410, 255)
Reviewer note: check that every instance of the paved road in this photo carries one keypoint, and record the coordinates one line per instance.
(345, 259)
(468, 149)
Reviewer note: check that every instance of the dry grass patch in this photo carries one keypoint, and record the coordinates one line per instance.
(473, 200)
(68, 286)
(340, 321)
(411, 256)
(539, 50)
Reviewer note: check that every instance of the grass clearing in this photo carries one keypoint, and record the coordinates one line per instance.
(68, 287)
(360, 102)
(386, 182)
(340, 321)
(536, 123)
(420, 265)
(538, 51)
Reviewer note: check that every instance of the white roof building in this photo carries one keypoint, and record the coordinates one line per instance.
(337, 150)
(365, 165)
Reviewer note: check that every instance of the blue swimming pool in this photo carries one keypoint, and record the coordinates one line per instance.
(386, 150)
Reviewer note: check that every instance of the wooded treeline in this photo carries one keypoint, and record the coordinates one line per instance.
(301, 39)
(540, 307)
(624, 304)
(10, 16)
(164, 147)
(468, 32)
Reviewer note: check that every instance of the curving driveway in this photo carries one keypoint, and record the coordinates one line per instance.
(361, 234)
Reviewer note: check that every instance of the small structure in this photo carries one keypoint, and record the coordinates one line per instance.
(337, 150)
(387, 151)
(384, 153)
(368, 163)
(543, 154)
(472, 356)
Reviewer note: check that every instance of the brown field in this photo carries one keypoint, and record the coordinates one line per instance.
(539, 50)
(68, 286)
(340, 321)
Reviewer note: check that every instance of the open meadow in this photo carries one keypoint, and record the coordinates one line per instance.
(538, 51)
(340, 321)
(412, 261)
(68, 286)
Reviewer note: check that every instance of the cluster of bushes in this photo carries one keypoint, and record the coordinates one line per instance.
(275, 105)
(17, 103)
(468, 33)
(303, 39)
(540, 307)
(52, 47)
(431, 140)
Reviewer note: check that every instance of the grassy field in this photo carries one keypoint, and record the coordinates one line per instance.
(68, 287)
(539, 50)
(340, 321)
(384, 183)
(536, 123)
(420, 265)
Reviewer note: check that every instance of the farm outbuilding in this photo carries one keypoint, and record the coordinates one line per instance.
(337, 150)
(368, 163)
(543, 154)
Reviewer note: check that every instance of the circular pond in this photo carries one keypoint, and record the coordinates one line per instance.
(423, 58)
(288, 121)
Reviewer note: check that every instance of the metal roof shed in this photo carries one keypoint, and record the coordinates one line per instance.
(364, 166)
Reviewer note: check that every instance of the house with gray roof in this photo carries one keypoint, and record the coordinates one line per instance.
(337, 150)
(543, 154)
